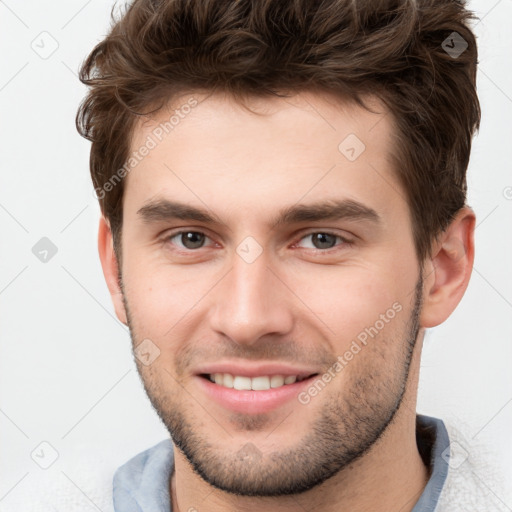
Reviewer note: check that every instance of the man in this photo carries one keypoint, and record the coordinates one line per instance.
(283, 195)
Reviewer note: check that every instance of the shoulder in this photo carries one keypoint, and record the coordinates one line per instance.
(471, 483)
(80, 479)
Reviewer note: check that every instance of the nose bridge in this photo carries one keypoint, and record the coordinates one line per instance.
(249, 304)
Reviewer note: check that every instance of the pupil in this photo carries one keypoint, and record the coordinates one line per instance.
(323, 240)
(192, 239)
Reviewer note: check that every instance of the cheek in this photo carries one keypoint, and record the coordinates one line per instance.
(350, 299)
(161, 299)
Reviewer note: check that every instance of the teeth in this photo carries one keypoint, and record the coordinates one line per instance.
(260, 383)
(276, 381)
(239, 382)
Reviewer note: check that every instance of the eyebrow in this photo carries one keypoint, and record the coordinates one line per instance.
(326, 210)
(166, 210)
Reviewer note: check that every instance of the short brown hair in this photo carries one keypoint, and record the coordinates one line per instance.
(397, 50)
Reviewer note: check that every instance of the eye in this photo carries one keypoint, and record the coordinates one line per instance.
(188, 239)
(324, 240)
(320, 240)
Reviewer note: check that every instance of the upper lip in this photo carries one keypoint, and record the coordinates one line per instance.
(251, 369)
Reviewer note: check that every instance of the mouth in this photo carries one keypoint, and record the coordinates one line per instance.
(258, 394)
(257, 383)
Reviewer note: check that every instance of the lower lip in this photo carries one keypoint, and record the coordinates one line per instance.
(253, 402)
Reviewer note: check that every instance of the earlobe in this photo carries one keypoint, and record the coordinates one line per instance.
(110, 268)
(448, 269)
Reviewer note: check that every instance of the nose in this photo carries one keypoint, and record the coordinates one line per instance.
(250, 302)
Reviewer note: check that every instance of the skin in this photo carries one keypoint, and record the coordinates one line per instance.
(353, 446)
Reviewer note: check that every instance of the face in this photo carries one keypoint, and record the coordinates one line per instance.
(272, 254)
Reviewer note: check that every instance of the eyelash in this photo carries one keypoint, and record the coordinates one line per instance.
(344, 241)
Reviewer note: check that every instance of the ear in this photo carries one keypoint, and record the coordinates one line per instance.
(110, 268)
(447, 271)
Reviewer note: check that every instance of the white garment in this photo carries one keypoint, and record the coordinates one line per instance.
(471, 484)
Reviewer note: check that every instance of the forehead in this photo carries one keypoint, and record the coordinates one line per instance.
(304, 114)
(309, 144)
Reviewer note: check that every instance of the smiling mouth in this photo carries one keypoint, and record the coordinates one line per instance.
(259, 383)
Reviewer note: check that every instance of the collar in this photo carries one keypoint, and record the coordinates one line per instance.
(142, 483)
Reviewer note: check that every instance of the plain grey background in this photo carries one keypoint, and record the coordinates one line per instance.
(67, 378)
